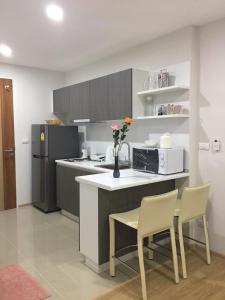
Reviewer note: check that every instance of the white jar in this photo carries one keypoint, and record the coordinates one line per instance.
(165, 141)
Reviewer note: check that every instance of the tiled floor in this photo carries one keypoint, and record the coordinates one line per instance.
(46, 245)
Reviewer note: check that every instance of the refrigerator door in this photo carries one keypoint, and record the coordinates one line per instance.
(40, 186)
(40, 140)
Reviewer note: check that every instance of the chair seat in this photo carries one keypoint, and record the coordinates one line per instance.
(129, 218)
(177, 208)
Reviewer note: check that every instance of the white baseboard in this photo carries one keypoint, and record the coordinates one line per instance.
(70, 216)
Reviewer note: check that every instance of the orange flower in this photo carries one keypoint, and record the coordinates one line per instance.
(128, 121)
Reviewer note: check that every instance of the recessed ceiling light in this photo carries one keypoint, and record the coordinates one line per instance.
(5, 50)
(54, 12)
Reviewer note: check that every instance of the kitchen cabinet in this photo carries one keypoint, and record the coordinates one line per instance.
(79, 95)
(111, 96)
(61, 101)
(68, 190)
(119, 95)
(104, 98)
(99, 106)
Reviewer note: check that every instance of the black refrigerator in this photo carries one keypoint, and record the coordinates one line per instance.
(50, 142)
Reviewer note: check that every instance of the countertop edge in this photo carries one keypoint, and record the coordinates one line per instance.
(81, 167)
(82, 179)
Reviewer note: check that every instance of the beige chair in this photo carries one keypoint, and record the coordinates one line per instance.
(192, 205)
(155, 215)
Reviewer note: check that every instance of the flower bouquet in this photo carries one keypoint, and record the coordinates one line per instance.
(119, 136)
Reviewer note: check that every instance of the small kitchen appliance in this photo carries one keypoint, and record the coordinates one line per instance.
(166, 141)
(159, 161)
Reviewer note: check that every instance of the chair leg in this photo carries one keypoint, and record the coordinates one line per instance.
(206, 241)
(150, 252)
(142, 268)
(182, 252)
(112, 246)
(174, 251)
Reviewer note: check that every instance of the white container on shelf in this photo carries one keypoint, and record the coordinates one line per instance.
(166, 141)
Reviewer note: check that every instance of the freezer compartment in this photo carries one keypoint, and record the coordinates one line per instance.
(55, 141)
(40, 140)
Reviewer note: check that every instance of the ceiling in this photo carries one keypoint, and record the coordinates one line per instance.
(93, 29)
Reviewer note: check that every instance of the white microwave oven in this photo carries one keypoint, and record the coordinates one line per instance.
(159, 161)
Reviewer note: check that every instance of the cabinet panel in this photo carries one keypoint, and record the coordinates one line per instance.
(79, 101)
(105, 98)
(99, 99)
(61, 101)
(68, 190)
(120, 95)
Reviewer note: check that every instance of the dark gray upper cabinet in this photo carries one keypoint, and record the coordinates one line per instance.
(61, 101)
(104, 98)
(120, 95)
(79, 101)
(99, 99)
(111, 96)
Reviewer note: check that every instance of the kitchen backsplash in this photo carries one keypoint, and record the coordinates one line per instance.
(97, 137)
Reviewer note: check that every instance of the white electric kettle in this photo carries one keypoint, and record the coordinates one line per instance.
(165, 141)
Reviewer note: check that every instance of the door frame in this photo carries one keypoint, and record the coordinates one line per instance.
(2, 202)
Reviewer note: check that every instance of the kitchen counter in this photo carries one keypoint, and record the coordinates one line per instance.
(100, 195)
(128, 178)
(105, 180)
(87, 165)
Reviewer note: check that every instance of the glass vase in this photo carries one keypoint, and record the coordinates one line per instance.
(116, 171)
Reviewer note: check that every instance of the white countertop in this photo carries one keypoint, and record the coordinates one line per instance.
(84, 165)
(128, 178)
(104, 178)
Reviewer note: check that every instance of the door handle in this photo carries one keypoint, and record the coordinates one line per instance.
(7, 87)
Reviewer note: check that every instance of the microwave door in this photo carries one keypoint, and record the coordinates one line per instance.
(146, 160)
(152, 164)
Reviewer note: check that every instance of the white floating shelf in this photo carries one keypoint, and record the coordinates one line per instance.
(172, 116)
(172, 88)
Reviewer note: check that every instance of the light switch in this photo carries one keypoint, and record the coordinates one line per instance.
(25, 141)
(204, 146)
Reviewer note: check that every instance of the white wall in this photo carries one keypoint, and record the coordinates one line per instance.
(171, 49)
(32, 89)
(168, 50)
(212, 125)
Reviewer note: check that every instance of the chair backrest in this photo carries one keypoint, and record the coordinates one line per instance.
(156, 213)
(193, 202)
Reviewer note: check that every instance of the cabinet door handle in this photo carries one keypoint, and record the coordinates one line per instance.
(82, 121)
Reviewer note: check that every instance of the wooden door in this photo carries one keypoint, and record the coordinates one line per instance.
(8, 143)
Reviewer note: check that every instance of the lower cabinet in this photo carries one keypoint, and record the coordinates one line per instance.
(68, 191)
